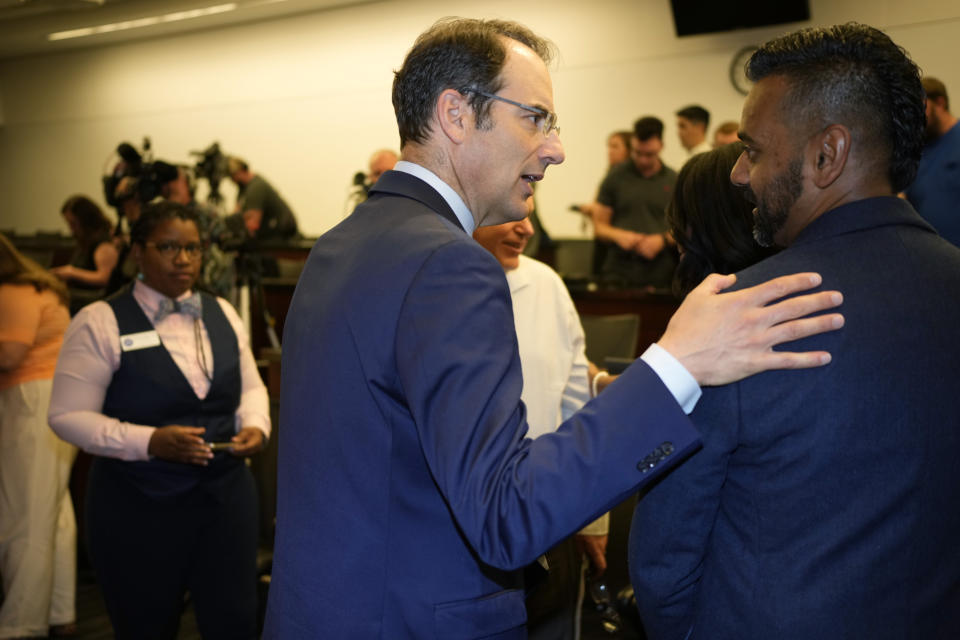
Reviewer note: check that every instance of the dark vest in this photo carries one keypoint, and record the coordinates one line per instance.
(148, 388)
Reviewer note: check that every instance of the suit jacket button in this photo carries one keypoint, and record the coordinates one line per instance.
(667, 448)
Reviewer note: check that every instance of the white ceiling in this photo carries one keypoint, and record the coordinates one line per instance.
(25, 24)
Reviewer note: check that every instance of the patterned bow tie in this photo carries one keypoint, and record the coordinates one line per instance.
(190, 306)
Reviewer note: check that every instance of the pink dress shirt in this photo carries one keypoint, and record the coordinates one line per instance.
(91, 354)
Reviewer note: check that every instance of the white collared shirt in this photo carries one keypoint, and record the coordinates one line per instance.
(446, 192)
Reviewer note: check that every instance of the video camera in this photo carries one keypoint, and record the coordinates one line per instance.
(212, 166)
(135, 175)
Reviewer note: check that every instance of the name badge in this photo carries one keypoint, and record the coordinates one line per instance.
(142, 340)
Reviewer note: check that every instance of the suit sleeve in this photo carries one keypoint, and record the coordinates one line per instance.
(673, 522)
(460, 373)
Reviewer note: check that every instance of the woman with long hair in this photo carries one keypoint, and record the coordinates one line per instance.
(38, 533)
(96, 256)
(711, 220)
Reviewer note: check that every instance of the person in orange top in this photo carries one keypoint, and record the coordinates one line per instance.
(38, 532)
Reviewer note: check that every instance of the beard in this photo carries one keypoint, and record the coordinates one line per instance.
(774, 203)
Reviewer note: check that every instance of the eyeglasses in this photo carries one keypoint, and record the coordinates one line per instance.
(171, 250)
(546, 120)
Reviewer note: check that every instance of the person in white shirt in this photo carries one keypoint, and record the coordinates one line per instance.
(160, 384)
(692, 123)
(555, 386)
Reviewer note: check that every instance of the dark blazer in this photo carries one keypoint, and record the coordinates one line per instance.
(825, 503)
(408, 494)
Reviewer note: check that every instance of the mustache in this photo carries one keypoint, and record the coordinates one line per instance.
(747, 193)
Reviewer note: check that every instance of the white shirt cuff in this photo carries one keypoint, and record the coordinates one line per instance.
(674, 375)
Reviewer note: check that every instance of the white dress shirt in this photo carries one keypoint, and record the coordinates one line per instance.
(91, 355)
(552, 358)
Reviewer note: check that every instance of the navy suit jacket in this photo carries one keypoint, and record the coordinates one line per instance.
(408, 494)
(825, 503)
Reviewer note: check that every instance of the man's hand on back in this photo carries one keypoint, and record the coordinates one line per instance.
(725, 337)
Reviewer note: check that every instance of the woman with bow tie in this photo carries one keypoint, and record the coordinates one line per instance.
(159, 383)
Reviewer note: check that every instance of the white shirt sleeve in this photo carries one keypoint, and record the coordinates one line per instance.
(674, 375)
(254, 408)
(89, 358)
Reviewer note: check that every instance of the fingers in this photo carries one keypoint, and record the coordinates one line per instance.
(789, 360)
(180, 444)
(802, 306)
(196, 455)
(248, 442)
(777, 288)
(805, 327)
(714, 283)
(189, 446)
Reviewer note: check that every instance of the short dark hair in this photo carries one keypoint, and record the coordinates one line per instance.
(695, 113)
(94, 224)
(855, 75)
(455, 53)
(934, 89)
(711, 219)
(648, 127)
(156, 212)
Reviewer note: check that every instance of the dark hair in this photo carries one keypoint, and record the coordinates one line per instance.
(155, 213)
(455, 53)
(16, 268)
(95, 226)
(648, 127)
(853, 75)
(695, 113)
(934, 89)
(711, 220)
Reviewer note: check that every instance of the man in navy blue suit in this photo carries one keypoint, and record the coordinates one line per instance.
(409, 495)
(824, 504)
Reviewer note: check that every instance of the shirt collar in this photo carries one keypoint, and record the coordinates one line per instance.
(451, 197)
(149, 298)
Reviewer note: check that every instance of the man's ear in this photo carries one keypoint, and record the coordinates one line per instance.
(454, 115)
(830, 151)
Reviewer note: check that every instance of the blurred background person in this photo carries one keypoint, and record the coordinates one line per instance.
(618, 148)
(726, 133)
(555, 386)
(711, 220)
(38, 532)
(692, 123)
(266, 215)
(631, 214)
(88, 273)
(128, 207)
(380, 161)
(160, 384)
(935, 193)
(618, 152)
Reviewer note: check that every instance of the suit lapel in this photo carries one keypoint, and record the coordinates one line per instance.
(403, 184)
